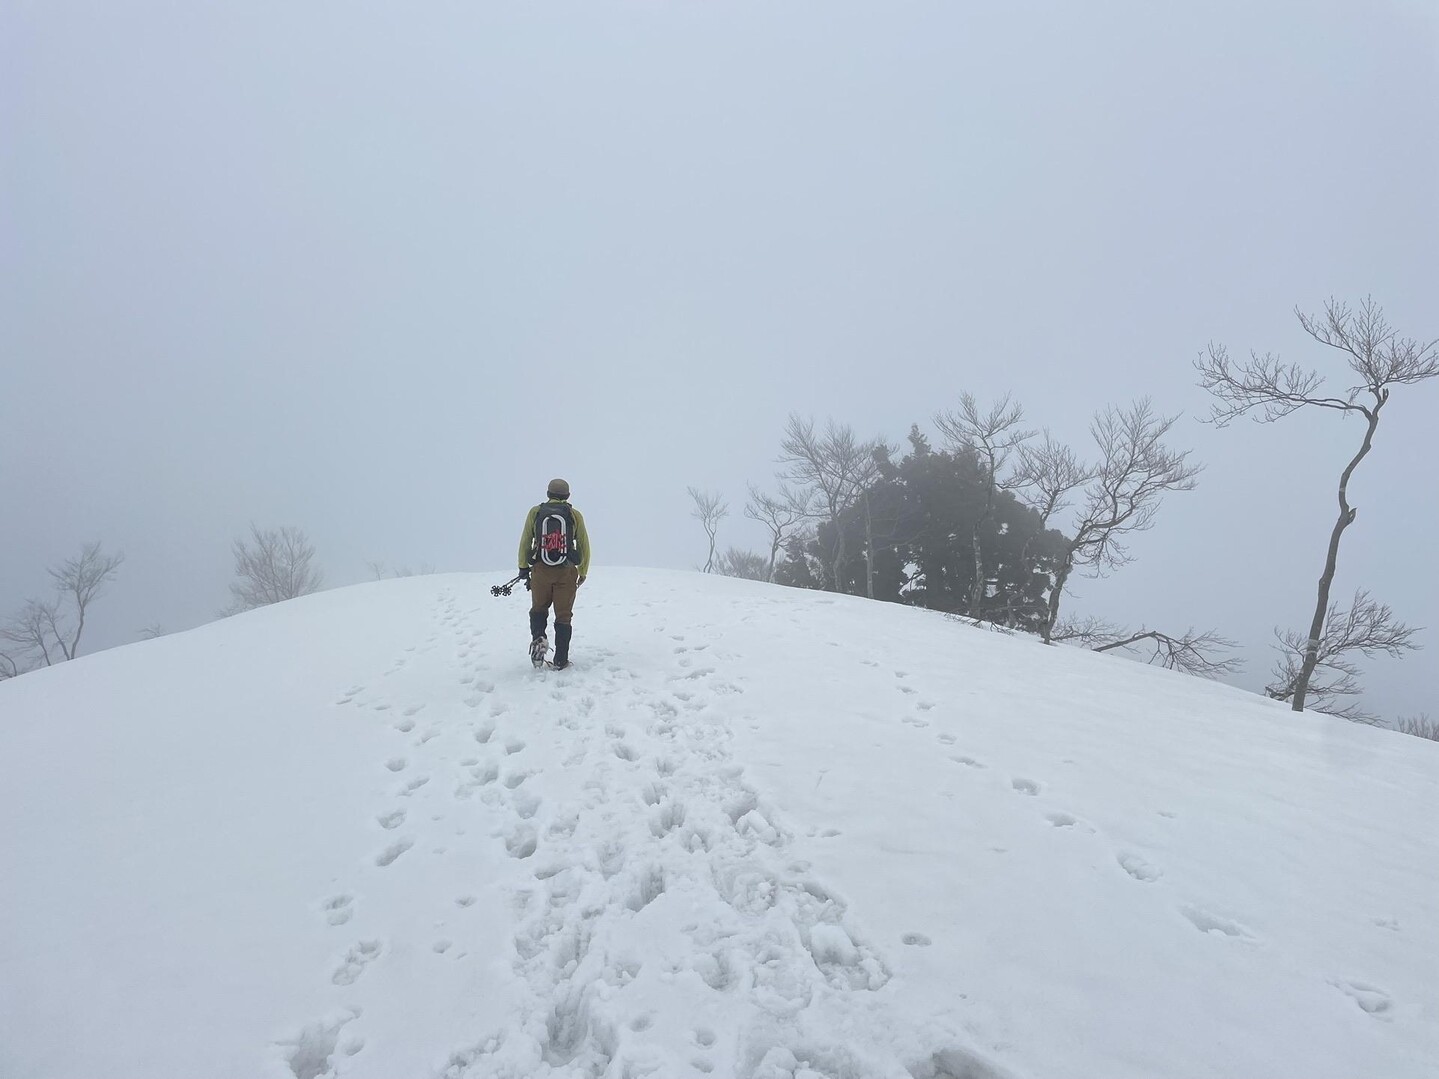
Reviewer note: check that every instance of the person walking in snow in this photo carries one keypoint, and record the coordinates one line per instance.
(554, 561)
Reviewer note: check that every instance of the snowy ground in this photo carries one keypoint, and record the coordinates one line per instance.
(754, 832)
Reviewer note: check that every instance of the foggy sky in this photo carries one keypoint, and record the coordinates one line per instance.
(380, 271)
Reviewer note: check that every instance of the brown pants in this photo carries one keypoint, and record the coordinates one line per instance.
(557, 585)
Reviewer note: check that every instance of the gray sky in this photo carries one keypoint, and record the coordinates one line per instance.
(379, 271)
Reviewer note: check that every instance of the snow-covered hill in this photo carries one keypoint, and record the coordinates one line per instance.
(753, 832)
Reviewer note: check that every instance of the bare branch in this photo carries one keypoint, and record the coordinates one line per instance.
(1372, 349)
(1193, 653)
(1420, 726)
(275, 565)
(993, 436)
(747, 565)
(832, 469)
(81, 580)
(1122, 494)
(1263, 385)
(781, 515)
(709, 510)
(1366, 628)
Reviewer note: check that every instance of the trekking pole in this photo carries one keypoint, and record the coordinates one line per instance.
(506, 588)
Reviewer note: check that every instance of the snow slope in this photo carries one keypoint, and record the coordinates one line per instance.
(754, 832)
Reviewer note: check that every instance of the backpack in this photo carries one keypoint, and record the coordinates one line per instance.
(554, 542)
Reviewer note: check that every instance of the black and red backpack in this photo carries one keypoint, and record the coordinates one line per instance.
(554, 543)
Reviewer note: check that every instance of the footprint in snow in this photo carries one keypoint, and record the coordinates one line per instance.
(356, 960)
(339, 909)
(1025, 786)
(946, 739)
(1211, 923)
(1372, 999)
(391, 821)
(413, 709)
(917, 939)
(1062, 820)
(526, 803)
(405, 726)
(396, 764)
(1138, 868)
(521, 843)
(514, 745)
(968, 762)
(311, 1050)
(394, 850)
(415, 784)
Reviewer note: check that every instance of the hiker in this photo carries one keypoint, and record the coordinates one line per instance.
(554, 560)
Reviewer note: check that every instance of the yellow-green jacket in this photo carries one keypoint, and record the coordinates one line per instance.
(582, 537)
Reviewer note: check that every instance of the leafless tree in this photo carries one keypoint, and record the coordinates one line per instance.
(79, 580)
(782, 516)
(1366, 628)
(1046, 479)
(1122, 494)
(275, 564)
(710, 509)
(1271, 390)
(748, 565)
(834, 469)
(1420, 726)
(153, 630)
(993, 437)
(1199, 653)
(1193, 653)
(45, 632)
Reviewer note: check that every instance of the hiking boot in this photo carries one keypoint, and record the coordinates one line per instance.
(538, 647)
(562, 645)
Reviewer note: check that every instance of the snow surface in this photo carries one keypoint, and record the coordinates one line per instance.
(753, 832)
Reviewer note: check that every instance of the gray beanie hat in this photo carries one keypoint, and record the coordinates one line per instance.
(558, 489)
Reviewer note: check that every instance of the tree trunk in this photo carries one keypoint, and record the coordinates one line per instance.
(1346, 518)
(868, 548)
(1060, 579)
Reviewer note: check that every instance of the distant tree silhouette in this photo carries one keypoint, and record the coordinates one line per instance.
(273, 565)
(45, 632)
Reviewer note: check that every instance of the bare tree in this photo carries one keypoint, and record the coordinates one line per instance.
(1272, 390)
(1122, 495)
(993, 437)
(1194, 652)
(1198, 653)
(1047, 477)
(274, 565)
(748, 565)
(710, 509)
(833, 470)
(153, 630)
(782, 516)
(45, 632)
(1366, 628)
(80, 580)
(1420, 726)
